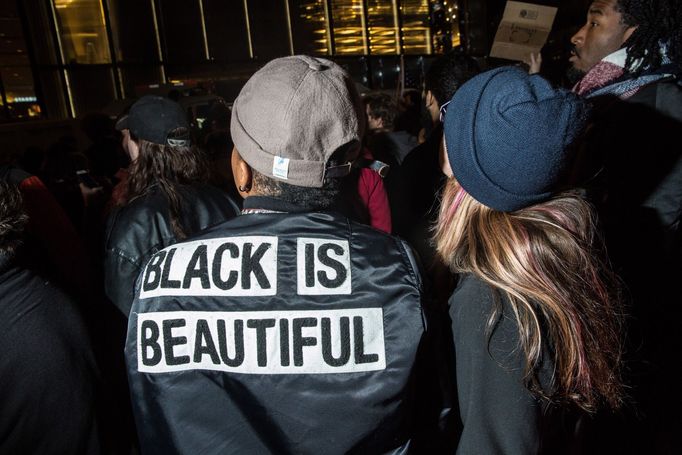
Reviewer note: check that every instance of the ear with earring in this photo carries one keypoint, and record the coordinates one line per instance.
(242, 173)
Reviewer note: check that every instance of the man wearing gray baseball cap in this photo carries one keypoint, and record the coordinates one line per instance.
(291, 328)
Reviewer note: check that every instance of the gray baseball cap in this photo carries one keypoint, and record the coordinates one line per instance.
(292, 115)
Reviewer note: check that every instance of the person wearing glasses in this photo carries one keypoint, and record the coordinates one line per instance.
(535, 315)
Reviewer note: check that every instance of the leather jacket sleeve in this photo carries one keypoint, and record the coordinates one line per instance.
(120, 272)
(136, 231)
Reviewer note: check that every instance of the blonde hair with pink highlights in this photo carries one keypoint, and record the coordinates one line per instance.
(545, 260)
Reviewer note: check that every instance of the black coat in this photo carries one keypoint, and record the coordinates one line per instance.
(498, 413)
(47, 370)
(141, 228)
(638, 194)
(278, 333)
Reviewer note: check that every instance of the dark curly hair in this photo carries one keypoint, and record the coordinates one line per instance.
(447, 73)
(383, 106)
(657, 21)
(311, 198)
(13, 219)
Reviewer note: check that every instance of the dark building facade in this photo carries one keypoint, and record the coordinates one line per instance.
(61, 59)
(65, 58)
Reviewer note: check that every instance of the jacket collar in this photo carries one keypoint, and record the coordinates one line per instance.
(255, 204)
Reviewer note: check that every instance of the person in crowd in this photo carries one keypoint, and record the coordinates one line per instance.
(408, 118)
(52, 245)
(166, 197)
(363, 193)
(415, 206)
(386, 144)
(628, 55)
(632, 50)
(364, 196)
(536, 315)
(48, 378)
(289, 329)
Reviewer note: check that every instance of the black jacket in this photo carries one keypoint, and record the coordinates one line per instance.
(47, 369)
(638, 142)
(639, 197)
(278, 333)
(499, 414)
(141, 228)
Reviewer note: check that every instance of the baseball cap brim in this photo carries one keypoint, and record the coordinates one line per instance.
(122, 123)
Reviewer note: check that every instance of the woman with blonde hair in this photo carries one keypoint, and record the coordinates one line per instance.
(536, 318)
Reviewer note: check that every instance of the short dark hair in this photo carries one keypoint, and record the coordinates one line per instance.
(13, 219)
(658, 22)
(382, 106)
(324, 198)
(312, 198)
(447, 73)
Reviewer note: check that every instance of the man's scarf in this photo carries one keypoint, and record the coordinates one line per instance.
(609, 77)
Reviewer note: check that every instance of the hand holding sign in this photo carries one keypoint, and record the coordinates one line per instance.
(523, 30)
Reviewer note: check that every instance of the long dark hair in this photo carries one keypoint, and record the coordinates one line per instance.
(168, 167)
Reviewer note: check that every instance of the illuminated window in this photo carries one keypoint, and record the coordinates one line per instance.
(309, 27)
(349, 27)
(20, 92)
(363, 27)
(15, 71)
(415, 28)
(382, 18)
(444, 25)
(453, 18)
(80, 24)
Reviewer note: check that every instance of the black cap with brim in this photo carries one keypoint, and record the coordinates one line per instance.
(122, 122)
(155, 119)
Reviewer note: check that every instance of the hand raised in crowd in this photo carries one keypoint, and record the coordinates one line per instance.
(535, 63)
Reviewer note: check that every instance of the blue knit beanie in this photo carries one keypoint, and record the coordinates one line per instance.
(508, 137)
